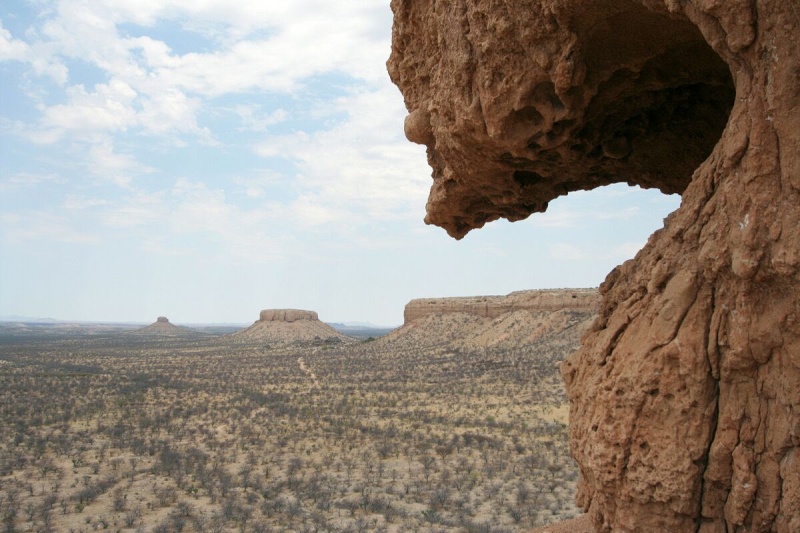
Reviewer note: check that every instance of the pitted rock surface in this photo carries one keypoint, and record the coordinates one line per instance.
(685, 394)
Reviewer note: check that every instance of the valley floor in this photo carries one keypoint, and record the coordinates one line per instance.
(121, 434)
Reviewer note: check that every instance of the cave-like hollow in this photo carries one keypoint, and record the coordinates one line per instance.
(645, 104)
(653, 105)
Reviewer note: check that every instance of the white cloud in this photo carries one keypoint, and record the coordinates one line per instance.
(12, 49)
(109, 108)
(172, 111)
(353, 168)
(150, 89)
(362, 167)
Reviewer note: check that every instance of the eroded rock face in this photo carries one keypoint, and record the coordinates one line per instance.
(685, 395)
(286, 315)
(162, 319)
(495, 306)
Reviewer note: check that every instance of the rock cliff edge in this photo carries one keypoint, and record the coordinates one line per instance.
(685, 394)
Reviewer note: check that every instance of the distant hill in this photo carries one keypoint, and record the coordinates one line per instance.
(27, 319)
(162, 327)
(290, 326)
(361, 330)
(60, 329)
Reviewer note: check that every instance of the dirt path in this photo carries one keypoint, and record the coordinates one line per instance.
(311, 375)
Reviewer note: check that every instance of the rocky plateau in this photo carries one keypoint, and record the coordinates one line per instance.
(289, 326)
(496, 306)
(552, 319)
(685, 393)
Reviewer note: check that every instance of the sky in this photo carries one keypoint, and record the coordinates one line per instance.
(206, 160)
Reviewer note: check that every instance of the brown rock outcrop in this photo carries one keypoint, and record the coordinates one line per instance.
(685, 394)
(495, 306)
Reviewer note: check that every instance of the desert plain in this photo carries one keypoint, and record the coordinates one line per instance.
(454, 422)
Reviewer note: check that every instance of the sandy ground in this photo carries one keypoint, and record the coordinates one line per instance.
(576, 525)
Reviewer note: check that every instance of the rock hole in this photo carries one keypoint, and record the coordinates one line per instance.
(526, 178)
(529, 115)
(655, 117)
(545, 92)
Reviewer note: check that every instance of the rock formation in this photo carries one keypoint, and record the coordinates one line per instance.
(162, 327)
(685, 394)
(554, 319)
(495, 306)
(289, 326)
(286, 315)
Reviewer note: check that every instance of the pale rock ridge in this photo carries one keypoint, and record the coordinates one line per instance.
(495, 306)
(685, 394)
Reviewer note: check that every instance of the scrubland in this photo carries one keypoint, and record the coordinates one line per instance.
(122, 434)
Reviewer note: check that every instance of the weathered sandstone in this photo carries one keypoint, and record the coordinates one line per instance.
(495, 306)
(685, 394)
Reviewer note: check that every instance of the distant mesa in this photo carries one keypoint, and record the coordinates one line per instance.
(290, 326)
(162, 327)
(496, 306)
(555, 318)
(286, 315)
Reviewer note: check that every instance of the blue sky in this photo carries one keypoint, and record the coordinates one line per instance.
(209, 160)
